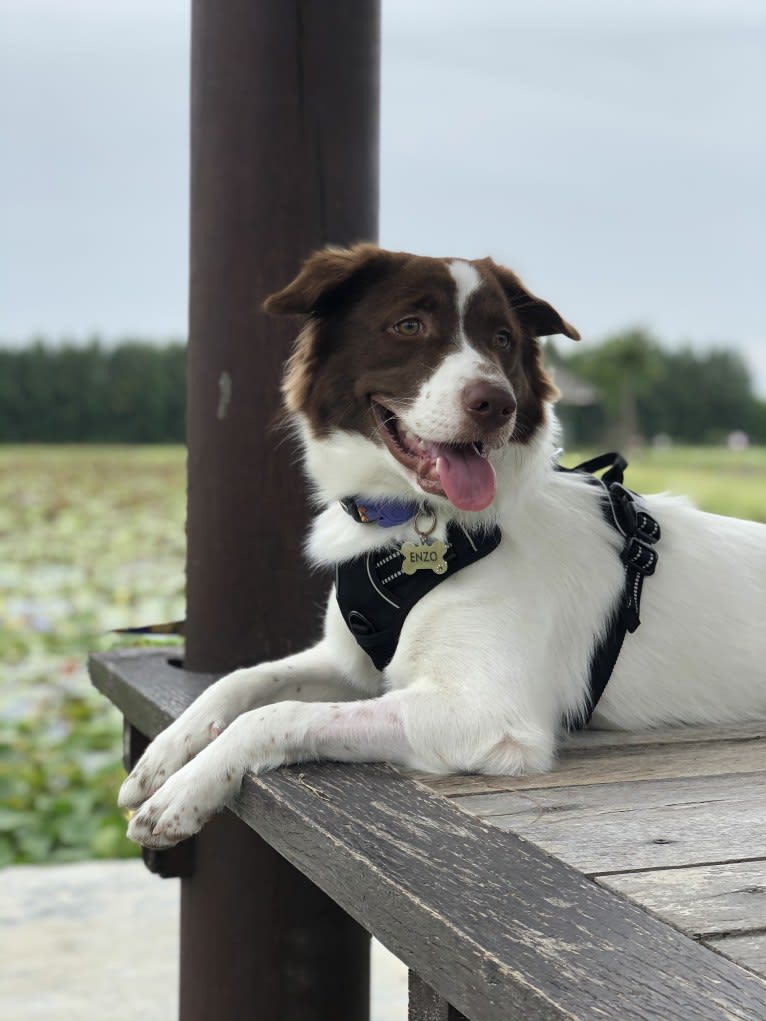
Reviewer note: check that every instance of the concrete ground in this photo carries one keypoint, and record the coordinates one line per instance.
(98, 941)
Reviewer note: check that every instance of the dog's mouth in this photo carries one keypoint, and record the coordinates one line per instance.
(459, 471)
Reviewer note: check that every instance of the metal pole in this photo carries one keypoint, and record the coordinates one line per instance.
(284, 158)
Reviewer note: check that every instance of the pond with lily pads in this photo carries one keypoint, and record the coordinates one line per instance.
(92, 538)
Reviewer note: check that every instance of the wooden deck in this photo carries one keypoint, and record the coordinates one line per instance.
(673, 820)
(628, 884)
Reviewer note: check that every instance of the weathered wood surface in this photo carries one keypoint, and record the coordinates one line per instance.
(425, 1004)
(148, 690)
(749, 951)
(584, 765)
(664, 735)
(673, 819)
(712, 900)
(640, 825)
(500, 928)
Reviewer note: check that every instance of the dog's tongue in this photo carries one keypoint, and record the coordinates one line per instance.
(468, 479)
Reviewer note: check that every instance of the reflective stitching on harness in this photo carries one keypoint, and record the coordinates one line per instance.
(391, 577)
(386, 560)
(373, 618)
(468, 537)
(653, 526)
(382, 594)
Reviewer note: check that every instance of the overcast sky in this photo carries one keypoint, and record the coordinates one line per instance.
(611, 151)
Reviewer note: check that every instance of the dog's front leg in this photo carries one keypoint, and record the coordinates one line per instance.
(413, 728)
(260, 740)
(307, 676)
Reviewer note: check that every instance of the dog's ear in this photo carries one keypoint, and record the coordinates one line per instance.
(536, 316)
(321, 277)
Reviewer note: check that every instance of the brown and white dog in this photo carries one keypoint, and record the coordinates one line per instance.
(419, 379)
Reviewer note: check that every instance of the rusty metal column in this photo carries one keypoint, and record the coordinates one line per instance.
(284, 159)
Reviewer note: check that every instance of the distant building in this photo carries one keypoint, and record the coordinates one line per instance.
(575, 392)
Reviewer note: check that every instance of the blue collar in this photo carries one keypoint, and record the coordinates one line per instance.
(386, 513)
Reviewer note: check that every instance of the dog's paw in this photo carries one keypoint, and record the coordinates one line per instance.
(182, 806)
(165, 756)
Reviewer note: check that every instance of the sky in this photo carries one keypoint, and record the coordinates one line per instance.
(613, 152)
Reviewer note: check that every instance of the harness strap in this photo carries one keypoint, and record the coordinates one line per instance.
(625, 511)
(375, 596)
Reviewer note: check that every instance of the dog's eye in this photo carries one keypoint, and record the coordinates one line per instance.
(503, 339)
(409, 327)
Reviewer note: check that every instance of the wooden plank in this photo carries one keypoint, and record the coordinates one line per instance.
(641, 825)
(498, 928)
(596, 765)
(146, 685)
(593, 738)
(749, 951)
(712, 900)
(425, 1004)
(517, 933)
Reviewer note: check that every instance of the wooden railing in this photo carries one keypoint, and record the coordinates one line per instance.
(488, 924)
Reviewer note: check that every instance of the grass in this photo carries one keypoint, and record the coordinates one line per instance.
(717, 480)
(92, 538)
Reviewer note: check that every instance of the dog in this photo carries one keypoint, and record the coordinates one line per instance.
(418, 392)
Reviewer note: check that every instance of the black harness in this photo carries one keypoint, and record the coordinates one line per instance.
(375, 595)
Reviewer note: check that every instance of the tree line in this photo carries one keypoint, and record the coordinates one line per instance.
(644, 390)
(130, 392)
(134, 391)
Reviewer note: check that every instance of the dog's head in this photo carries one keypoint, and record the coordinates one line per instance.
(411, 372)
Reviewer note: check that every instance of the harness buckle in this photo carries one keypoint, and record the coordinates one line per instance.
(623, 508)
(647, 529)
(359, 625)
(348, 503)
(640, 556)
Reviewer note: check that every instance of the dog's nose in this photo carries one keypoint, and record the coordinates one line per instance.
(489, 404)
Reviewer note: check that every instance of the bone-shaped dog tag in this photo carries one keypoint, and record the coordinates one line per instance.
(424, 556)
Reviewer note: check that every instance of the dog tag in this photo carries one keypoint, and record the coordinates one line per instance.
(424, 556)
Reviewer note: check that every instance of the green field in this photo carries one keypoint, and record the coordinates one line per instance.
(716, 479)
(92, 538)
